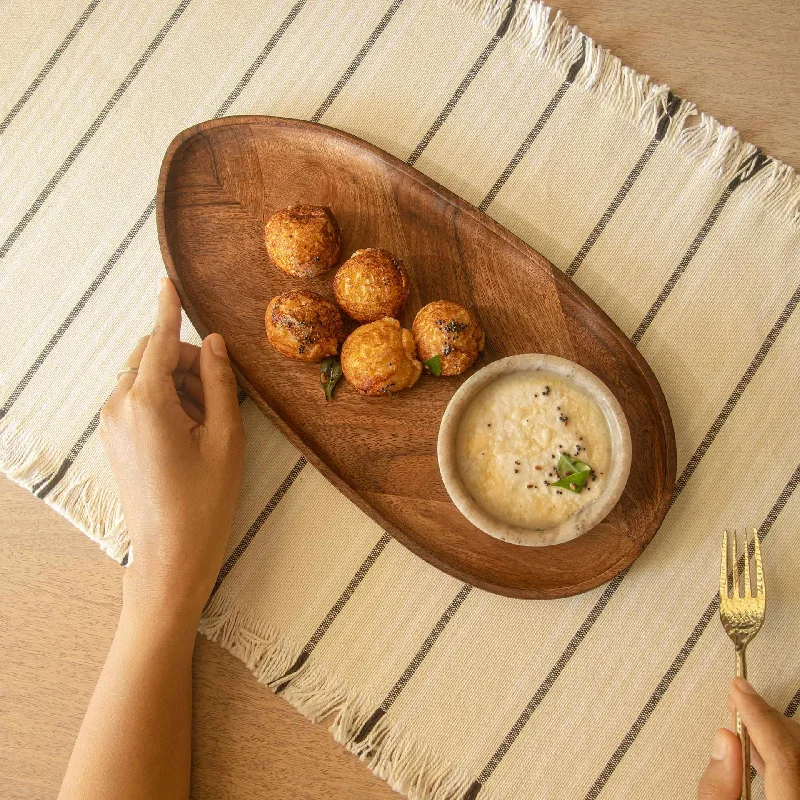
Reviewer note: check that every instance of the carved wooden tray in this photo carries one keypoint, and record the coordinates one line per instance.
(221, 180)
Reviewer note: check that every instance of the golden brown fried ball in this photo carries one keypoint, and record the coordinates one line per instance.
(371, 284)
(450, 331)
(304, 326)
(380, 358)
(303, 240)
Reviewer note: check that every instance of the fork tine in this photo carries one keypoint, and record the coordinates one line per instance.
(723, 567)
(760, 588)
(735, 566)
(747, 592)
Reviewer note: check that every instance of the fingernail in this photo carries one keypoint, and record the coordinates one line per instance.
(217, 344)
(743, 685)
(719, 750)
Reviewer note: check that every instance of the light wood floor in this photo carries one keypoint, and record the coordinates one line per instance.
(739, 61)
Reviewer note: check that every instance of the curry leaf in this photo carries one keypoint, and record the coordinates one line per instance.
(434, 365)
(330, 372)
(573, 474)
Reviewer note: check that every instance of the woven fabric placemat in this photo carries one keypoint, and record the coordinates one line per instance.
(687, 236)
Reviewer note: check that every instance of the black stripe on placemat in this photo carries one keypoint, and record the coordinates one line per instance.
(51, 483)
(93, 128)
(334, 612)
(544, 687)
(667, 114)
(419, 657)
(238, 551)
(38, 485)
(752, 165)
(685, 651)
(733, 399)
(51, 62)
(255, 66)
(464, 85)
(536, 130)
(356, 62)
(794, 704)
(77, 308)
(612, 587)
(126, 242)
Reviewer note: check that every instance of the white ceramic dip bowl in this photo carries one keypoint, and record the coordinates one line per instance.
(616, 473)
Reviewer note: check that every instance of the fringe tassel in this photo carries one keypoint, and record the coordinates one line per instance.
(92, 508)
(705, 142)
(391, 752)
(23, 456)
(399, 758)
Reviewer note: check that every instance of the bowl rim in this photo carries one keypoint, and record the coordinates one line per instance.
(586, 517)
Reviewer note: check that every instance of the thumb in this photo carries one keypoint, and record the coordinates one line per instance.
(219, 387)
(722, 779)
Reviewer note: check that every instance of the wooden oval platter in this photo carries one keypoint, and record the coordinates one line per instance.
(221, 181)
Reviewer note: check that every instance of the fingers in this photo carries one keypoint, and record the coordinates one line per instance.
(755, 756)
(219, 388)
(162, 353)
(192, 410)
(189, 359)
(722, 779)
(188, 362)
(126, 381)
(767, 727)
(190, 392)
(190, 385)
(756, 760)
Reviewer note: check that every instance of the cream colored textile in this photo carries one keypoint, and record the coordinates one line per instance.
(684, 234)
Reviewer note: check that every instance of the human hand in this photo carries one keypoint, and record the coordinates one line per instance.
(177, 460)
(775, 747)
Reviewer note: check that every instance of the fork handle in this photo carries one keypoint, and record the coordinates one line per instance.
(741, 731)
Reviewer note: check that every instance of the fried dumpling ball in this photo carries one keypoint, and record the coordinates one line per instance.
(450, 331)
(371, 284)
(304, 326)
(303, 240)
(380, 358)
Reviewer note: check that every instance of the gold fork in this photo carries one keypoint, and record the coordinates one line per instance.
(742, 617)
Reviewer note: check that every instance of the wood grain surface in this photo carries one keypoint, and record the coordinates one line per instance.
(59, 602)
(220, 183)
(59, 596)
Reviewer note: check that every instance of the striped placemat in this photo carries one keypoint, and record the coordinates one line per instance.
(684, 234)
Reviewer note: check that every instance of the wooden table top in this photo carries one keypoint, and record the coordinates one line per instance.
(247, 742)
